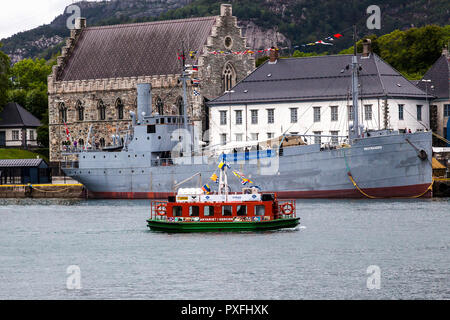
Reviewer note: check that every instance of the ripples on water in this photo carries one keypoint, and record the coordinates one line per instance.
(326, 257)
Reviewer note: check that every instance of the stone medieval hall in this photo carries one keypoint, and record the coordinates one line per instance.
(94, 81)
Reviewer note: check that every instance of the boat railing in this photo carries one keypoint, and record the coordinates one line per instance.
(70, 164)
(158, 210)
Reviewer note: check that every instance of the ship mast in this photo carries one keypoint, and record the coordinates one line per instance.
(355, 88)
(184, 77)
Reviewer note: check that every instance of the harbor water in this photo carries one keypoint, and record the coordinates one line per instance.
(343, 249)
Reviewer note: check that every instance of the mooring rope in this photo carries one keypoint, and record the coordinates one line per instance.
(349, 174)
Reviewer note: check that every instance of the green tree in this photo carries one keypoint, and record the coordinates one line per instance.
(4, 78)
(30, 74)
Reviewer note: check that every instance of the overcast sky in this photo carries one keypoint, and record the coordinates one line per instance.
(21, 15)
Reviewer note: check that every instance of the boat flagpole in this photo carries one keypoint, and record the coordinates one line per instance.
(355, 88)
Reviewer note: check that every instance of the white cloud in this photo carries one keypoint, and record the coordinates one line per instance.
(22, 15)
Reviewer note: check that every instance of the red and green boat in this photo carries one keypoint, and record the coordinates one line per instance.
(200, 210)
(232, 214)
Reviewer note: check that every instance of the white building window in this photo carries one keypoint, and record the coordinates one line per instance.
(334, 113)
(223, 138)
(270, 135)
(294, 112)
(350, 113)
(400, 112)
(15, 135)
(254, 136)
(254, 114)
(223, 117)
(419, 112)
(334, 138)
(238, 116)
(368, 112)
(316, 114)
(270, 115)
(238, 136)
(317, 137)
(31, 134)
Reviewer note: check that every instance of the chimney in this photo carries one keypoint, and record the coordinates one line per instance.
(273, 55)
(445, 52)
(144, 101)
(367, 48)
(80, 23)
(225, 9)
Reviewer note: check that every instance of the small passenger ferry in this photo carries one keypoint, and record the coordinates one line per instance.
(197, 209)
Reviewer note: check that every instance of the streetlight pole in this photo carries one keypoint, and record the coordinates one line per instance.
(426, 98)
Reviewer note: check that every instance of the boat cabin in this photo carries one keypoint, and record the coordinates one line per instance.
(222, 208)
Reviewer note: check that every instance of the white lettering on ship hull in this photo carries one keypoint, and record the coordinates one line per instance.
(373, 148)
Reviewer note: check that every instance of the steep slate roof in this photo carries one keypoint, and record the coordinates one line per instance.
(8, 163)
(138, 49)
(14, 115)
(319, 78)
(439, 74)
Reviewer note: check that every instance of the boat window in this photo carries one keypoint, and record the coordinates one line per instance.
(227, 210)
(151, 128)
(194, 211)
(208, 211)
(260, 210)
(241, 210)
(176, 210)
(162, 121)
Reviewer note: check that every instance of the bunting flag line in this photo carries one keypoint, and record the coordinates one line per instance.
(215, 178)
(206, 188)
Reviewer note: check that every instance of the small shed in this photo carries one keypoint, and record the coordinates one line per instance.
(23, 171)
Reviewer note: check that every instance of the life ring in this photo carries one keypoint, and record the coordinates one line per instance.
(287, 208)
(160, 209)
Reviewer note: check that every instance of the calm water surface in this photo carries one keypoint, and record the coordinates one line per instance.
(325, 258)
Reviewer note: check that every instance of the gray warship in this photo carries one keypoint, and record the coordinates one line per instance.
(156, 155)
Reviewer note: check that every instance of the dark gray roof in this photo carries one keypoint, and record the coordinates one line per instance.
(14, 115)
(138, 49)
(439, 74)
(5, 163)
(319, 78)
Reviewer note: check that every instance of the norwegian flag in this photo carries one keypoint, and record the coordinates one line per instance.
(69, 138)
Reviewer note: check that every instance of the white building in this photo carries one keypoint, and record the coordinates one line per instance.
(312, 96)
(17, 127)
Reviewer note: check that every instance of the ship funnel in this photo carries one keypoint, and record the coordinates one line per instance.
(144, 100)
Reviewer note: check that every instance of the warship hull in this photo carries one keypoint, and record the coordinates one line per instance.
(387, 166)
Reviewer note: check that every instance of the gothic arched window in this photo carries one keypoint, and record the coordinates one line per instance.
(228, 77)
(80, 110)
(179, 104)
(159, 105)
(101, 110)
(119, 107)
(62, 112)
